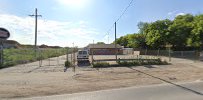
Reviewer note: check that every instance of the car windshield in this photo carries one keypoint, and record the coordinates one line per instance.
(85, 52)
(82, 52)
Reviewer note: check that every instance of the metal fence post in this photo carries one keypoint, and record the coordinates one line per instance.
(57, 59)
(146, 52)
(49, 58)
(181, 53)
(158, 52)
(1, 53)
(197, 55)
(40, 57)
(67, 55)
(92, 56)
(74, 59)
(71, 57)
(169, 54)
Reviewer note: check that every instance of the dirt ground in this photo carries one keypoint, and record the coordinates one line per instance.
(29, 81)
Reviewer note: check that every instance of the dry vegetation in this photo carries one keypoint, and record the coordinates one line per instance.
(48, 80)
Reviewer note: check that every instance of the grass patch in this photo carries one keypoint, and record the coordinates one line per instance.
(139, 62)
(135, 62)
(100, 65)
(13, 57)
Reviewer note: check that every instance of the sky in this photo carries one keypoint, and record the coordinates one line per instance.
(65, 22)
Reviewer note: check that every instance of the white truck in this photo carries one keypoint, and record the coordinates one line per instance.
(83, 56)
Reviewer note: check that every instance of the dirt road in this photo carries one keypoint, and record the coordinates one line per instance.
(29, 81)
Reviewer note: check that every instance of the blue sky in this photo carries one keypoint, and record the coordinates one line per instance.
(82, 21)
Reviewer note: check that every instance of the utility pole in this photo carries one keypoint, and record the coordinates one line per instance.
(36, 16)
(115, 43)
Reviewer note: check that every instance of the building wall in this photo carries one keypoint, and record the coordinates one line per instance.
(106, 51)
(127, 51)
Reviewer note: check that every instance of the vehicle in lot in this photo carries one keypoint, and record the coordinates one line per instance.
(82, 56)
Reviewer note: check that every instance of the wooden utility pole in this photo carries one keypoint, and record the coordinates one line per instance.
(36, 16)
(115, 44)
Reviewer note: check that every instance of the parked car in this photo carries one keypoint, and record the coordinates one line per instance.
(82, 56)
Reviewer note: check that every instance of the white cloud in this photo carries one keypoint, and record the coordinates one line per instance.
(50, 32)
(176, 13)
(180, 14)
(172, 12)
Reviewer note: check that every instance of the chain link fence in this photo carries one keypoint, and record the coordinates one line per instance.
(190, 55)
(39, 57)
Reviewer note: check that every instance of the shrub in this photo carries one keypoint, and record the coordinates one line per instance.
(125, 63)
(67, 64)
(100, 64)
(142, 62)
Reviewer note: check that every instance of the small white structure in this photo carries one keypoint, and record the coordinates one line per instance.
(128, 51)
(136, 53)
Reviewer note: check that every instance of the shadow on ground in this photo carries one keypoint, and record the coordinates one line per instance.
(84, 64)
(149, 66)
(180, 86)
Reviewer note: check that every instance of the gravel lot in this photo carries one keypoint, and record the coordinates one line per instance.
(30, 80)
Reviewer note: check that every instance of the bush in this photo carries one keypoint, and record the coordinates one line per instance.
(125, 63)
(142, 62)
(136, 62)
(100, 64)
(67, 64)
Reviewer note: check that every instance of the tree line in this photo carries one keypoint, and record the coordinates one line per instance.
(184, 32)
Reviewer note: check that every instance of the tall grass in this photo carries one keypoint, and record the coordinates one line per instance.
(13, 57)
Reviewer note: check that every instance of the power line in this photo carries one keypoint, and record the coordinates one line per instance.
(125, 10)
(122, 14)
(107, 34)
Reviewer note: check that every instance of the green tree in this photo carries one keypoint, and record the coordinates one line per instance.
(184, 31)
(180, 30)
(123, 41)
(196, 36)
(142, 26)
(136, 41)
(157, 33)
(132, 40)
(100, 43)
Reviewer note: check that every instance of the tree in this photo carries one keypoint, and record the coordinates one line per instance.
(180, 30)
(157, 33)
(123, 41)
(100, 43)
(136, 41)
(196, 36)
(132, 41)
(142, 26)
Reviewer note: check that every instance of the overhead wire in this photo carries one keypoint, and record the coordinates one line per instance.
(122, 14)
